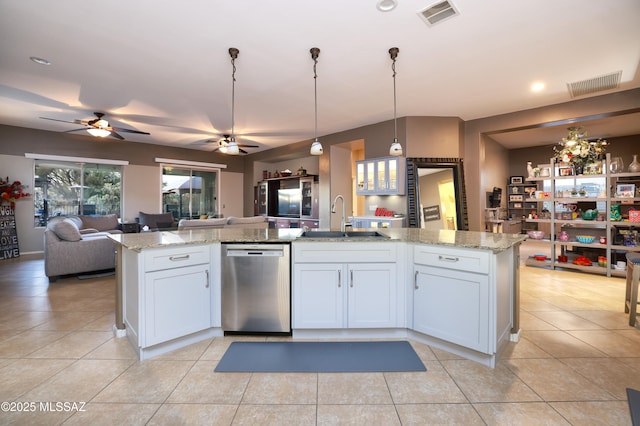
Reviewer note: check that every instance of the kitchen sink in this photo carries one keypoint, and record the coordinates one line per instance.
(339, 234)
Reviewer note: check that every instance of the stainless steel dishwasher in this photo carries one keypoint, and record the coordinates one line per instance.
(256, 288)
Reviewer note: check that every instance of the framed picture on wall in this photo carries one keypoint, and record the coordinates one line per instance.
(519, 198)
(516, 179)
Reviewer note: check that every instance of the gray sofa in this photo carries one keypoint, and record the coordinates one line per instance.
(255, 222)
(79, 244)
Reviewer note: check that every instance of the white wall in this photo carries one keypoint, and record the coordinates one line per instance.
(231, 197)
(141, 191)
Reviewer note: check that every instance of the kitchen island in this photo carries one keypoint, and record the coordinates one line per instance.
(456, 290)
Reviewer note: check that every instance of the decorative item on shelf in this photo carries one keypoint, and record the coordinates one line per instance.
(614, 213)
(535, 235)
(589, 214)
(302, 171)
(563, 236)
(530, 170)
(286, 173)
(634, 167)
(582, 261)
(578, 151)
(617, 165)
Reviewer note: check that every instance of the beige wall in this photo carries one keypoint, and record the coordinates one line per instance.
(141, 179)
(478, 166)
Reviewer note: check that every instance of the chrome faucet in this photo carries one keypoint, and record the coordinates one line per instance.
(343, 223)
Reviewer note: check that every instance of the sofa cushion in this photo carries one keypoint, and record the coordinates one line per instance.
(201, 223)
(67, 230)
(156, 220)
(106, 222)
(243, 220)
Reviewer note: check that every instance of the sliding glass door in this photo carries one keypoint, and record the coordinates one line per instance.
(190, 193)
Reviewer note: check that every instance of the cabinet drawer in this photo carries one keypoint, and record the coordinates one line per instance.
(458, 259)
(345, 252)
(169, 258)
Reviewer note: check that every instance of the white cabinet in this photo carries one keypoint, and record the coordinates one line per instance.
(453, 298)
(371, 295)
(169, 293)
(452, 305)
(381, 176)
(335, 295)
(328, 293)
(318, 296)
(177, 303)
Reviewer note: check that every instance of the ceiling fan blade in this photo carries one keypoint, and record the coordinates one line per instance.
(242, 151)
(62, 121)
(74, 130)
(248, 146)
(116, 135)
(130, 131)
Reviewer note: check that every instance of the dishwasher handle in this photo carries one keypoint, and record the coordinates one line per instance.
(254, 253)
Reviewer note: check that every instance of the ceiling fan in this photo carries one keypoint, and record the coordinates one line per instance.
(98, 127)
(224, 143)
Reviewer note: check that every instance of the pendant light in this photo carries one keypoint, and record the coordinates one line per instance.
(396, 148)
(316, 146)
(232, 146)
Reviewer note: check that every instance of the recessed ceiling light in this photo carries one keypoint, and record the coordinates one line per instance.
(40, 60)
(536, 87)
(386, 5)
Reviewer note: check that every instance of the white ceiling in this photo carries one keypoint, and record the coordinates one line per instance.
(164, 67)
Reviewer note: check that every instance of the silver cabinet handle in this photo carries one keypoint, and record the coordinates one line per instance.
(183, 257)
(415, 280)
(339, 278)
(351, 278)
(448, 258)
(207, 284)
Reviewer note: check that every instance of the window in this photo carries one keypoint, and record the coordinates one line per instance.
(189, 193)
(69, 188)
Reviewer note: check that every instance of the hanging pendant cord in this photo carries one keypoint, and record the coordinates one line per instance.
(234, 54)
(395, 121)
(314, 55)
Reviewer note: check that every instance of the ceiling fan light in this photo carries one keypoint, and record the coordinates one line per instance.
(100, 133)
(316, 148)
(232, 147)
(395, 149)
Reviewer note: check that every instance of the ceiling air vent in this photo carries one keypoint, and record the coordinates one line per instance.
(438, 12)
(593, 85)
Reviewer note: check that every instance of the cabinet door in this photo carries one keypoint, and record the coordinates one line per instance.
(177, 303)
(318, 295)
(382, 177)
(392, 175)
(372, 295)
(453, 306)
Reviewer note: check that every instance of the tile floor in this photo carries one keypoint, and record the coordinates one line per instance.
(575, 359)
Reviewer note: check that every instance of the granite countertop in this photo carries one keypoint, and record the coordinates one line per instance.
(496, 242)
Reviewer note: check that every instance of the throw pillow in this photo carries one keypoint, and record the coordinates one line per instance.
(253, 219)
(67, 230)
